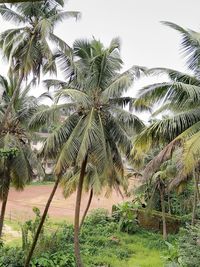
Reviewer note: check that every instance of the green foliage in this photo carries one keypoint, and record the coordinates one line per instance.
(59, 259)
(8, 153)
(101, 245)
(11, 257)
(171, 254)
(186, 251)
(29, 228)
(97, 216)
(126, 217)
(182, 203)
(189, 246)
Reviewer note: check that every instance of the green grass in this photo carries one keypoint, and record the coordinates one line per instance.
(41, 183)
(8, 238)
(14, 224)
(141, 250)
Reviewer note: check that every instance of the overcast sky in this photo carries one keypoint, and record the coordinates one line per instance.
(145, 41)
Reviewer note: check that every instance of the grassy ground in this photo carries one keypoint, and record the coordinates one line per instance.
(138, 246)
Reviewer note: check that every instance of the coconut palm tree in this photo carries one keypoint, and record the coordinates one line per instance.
(179, 99)
(27, 47)
(17, 161)
(96, 129)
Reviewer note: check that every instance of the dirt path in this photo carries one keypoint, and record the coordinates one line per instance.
(20, 204)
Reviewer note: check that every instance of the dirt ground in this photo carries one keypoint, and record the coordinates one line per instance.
(20, 204)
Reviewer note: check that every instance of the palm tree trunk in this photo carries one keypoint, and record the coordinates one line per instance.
(77, 214)
(3, 206)
(5, 197)
(163, 213)
(87, 208)
(9, 108)
(44, 215)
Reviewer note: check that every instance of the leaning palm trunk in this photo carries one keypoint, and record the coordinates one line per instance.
(44, 215)
(87, 208)
(163, 212)
(14, 95)
(77, 214)
(3, 206)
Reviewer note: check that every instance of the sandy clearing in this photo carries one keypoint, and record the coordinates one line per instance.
(20, 204)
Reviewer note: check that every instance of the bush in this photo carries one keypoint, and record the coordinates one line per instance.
(97, 216)
(126, 217)
(59, 258)
(11, 257)
(189, 246)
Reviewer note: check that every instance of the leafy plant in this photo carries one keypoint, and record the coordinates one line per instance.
(97, 216)
(11, 257)
(58, 259)
(29, 228)
(126, 217)
(189, 246)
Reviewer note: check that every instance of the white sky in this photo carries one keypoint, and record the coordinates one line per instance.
(145, 41)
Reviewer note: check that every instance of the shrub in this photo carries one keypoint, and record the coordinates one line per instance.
(11, 257)
(60, 258)
(189, 246)
(126, 217)
(97, 216)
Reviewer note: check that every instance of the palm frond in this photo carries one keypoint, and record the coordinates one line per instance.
(122, 83)
(59, 136)
(190, 45)
(128, 120)
(46, 115)
(10, 15)
(74, 94)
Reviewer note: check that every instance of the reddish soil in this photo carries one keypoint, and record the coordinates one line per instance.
(20, 204)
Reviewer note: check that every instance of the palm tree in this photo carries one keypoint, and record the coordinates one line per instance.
(179, 99)
(96, 129)
(17, 161)
(27, 47)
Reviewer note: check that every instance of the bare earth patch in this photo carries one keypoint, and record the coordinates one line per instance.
(20, 204)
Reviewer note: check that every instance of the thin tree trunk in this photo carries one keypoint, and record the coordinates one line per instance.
(3, 208)
(6, 178)
(87, 208)
(77, 214)
(195, 198)
(169, 204)
(9, 108)
(44, 215)
(163, 212)
(194, 209)
(197, 186)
